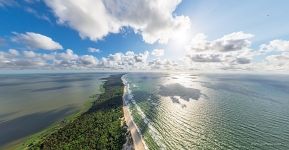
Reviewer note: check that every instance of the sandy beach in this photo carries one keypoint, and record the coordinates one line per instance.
(137, 138)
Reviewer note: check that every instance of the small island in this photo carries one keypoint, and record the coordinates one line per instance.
(102, 126)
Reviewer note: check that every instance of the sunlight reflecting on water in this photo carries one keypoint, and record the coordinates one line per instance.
(189, 111)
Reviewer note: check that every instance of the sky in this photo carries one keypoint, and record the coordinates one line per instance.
(145, 35)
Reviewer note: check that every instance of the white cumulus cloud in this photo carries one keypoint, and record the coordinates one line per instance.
(36, 41)
(230, 51)
(275, 45)
(158, 52)
(93, 50)
(88, 60)
(128, 61)
(206, 58)
(231, 42)
(94, 19)
(281, 60)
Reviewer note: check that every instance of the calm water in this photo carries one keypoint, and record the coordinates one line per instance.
(31, 102)
(197, 111)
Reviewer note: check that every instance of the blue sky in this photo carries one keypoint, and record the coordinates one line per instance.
(17, 19)
(164, 30)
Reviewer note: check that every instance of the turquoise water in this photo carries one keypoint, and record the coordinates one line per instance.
(31, 102)
(210, 111)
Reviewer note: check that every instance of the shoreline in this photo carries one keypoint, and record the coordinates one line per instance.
(21, 143)
(138, 141)
(107, 110)
(136, 137)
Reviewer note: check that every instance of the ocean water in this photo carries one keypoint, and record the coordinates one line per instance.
(210, 111)
(31, 102)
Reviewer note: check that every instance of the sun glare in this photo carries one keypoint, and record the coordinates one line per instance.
(175, 48)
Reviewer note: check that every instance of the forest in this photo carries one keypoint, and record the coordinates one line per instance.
(100, 127)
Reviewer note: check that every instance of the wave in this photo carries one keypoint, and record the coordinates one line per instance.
(128, 96)
(130, 101)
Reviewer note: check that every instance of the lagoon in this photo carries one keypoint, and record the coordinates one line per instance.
(30, 103)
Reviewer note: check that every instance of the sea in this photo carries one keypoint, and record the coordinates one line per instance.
(210, 111)
(30, 103)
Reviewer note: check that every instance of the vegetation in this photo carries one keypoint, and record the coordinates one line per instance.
(100, 127)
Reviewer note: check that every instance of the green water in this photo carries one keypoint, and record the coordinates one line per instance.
(30, 103)
(210, 111)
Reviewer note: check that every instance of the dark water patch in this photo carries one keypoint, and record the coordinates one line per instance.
(45, 81)
(281, 86)
(33, 93)
(177, 89)
(85, 85)
(63, 79)
(21, 127)
(7, 114)
(50, 89)
(72, 80)
(237, 89)
(45, 78)
(12, 84)
(175, 100)
(279, 82)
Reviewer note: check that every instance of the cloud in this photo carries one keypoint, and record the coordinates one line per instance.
(27, 60)
(95, 19)
(37, 14)
(231, 42)
(13, 52)
(199, 43)
(206, 58)
(70, 60)
(30, 59)
(230, 50)
(29, 54)
(280, 60)
(28, 63)
(88, 60)
(2, 41)
(275, 45)
(5, 3)
(32, 1)
(243, 60)
(158, 52)
(128, 60)
(163, 64)
(36, 41)
(93, 50)
(66, 59)
(236, 60)
(197, 60)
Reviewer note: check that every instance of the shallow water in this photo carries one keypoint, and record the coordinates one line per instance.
(210, 111)
(31, 102)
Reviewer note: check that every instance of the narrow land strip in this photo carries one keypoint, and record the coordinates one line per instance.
(137, 138)
(98, 128)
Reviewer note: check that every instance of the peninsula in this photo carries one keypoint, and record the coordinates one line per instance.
(102, 126)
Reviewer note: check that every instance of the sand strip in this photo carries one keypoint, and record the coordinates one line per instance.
(136, 137)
